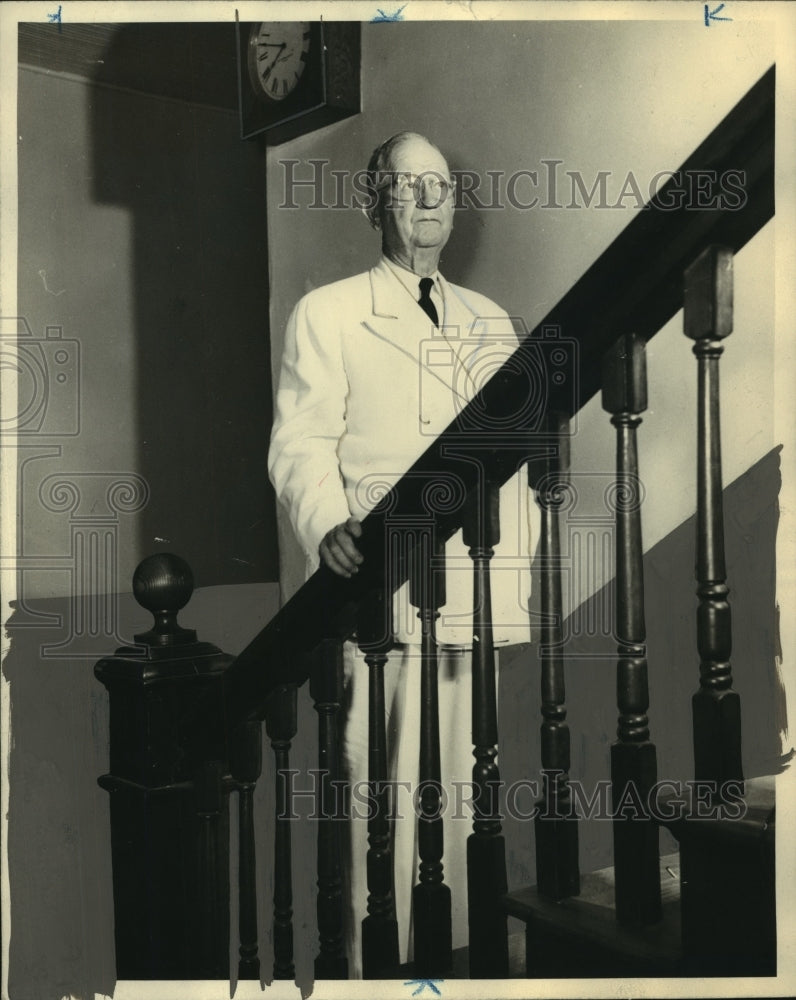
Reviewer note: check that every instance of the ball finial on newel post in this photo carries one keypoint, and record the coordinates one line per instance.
(163, 584)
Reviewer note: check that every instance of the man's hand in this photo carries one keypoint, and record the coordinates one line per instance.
(338, 550)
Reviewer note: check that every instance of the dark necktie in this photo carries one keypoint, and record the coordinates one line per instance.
(425, 302)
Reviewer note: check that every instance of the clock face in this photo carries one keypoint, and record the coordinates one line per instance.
(278, 54)
(296, 77)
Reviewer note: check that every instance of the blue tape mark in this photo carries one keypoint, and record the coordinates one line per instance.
(423, 983)
(382, 18)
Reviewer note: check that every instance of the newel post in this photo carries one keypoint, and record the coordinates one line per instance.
(169, 808)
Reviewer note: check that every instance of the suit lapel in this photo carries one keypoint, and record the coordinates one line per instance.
(399, 321)
(395, 317)
(461, 332)
(458, 313)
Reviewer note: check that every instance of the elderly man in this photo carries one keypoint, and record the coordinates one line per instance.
(359, 398)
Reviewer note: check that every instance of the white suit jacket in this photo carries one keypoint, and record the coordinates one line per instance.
(367, 382)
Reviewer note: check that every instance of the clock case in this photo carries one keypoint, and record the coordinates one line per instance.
(328, 91)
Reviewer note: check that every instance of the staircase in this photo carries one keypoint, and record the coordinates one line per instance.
(186, 730)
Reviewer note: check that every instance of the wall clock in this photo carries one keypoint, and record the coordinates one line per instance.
(296, 76)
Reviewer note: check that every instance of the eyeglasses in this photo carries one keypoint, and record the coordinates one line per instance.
(429, 188)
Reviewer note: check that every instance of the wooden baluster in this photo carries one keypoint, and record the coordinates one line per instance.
(634, 769)
(556, 828)
(431, 897)
(486, 849)
(326, 689)
(379, 927)
(213, 936)
(716, 707)
(246, 765)
(281, 724)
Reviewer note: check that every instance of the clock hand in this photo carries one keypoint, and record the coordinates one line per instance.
(269, 68)
(283, 55)
(271, 45)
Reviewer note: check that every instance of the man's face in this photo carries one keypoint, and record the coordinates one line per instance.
(408, 222)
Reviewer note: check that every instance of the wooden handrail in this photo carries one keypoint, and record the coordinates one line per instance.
(634, 286)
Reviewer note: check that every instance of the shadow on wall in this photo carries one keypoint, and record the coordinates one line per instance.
(751, 514)
(196, 196)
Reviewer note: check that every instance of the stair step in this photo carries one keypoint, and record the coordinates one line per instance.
(461, 959)
(580, 936)
(728, 905)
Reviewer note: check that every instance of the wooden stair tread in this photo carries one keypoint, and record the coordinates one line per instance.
(461, 957)
(755, 822)
(588, 921)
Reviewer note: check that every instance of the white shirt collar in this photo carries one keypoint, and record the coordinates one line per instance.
(409, 278)
(411, 283)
